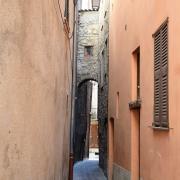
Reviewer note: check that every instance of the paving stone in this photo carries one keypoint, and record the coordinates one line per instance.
(88, 170)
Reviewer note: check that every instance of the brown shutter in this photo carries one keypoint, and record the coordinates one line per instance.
(161, 76)
(164, 74)
(157, 79)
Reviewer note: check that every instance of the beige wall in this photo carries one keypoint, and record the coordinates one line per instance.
(132, 24)
(35, 81)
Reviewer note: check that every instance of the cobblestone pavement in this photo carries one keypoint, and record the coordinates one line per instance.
(88, 170)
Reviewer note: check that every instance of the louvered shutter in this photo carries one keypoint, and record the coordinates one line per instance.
(164, 74)
(161, 76)
(157, 78)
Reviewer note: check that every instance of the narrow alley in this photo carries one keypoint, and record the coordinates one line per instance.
(89, 90)
(88, 170)
(91, 106)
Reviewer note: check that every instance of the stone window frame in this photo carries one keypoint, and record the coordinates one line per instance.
(88, 51)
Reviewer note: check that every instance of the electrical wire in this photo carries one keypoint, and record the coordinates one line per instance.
(66, 32)
(62, 20)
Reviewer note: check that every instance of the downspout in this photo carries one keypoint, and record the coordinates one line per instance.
(73, 97)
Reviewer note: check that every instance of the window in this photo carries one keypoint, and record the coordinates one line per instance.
(95, 4)
(105, 14)
(66, 11)
(88, 51)
(161, 76)
(136, 81)
(102, 27)
(138, 72)
(117, 105)
(102, 66)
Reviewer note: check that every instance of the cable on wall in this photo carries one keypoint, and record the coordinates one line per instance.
(62, 20)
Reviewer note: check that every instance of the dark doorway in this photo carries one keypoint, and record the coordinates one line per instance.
(86, 122)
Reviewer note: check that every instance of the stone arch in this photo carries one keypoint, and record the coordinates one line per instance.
(85, 80)
(82, 118)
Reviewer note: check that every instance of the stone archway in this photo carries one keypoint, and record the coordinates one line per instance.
(86, 79)
(82, 119)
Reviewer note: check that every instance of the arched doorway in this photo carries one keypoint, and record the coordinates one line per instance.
(86, 121)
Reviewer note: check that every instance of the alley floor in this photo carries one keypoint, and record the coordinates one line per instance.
(88, 170)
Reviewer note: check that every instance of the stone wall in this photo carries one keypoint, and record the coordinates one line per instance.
(35, 86)
(93, 31)
(87, 69)
(103, 58)
(120, 173)
(88, 34)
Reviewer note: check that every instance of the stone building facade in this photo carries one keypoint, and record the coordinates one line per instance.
(93, 34)
(87, 69)
(103, 59)
(88, 34)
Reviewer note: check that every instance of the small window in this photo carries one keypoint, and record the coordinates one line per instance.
(88, 51)
(161, 76)
(105, 14)
(102, 66)
(117, 105)
(95, 4)
(136, 74)
(102, 27)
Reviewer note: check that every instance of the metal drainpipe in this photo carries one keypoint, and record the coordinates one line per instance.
(73, 98)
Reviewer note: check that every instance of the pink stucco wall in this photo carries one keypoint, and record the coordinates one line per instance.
(35, 81)
(132, 24)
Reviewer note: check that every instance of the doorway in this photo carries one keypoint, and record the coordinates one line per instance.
(86, 133)
(135, 144)
(93, 130)
(86, 140)
(135, 107)
(111, 148)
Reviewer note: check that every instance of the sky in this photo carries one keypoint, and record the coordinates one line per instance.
(86, 4)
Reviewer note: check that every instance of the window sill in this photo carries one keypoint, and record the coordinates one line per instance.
(135, 104)
(160, 128)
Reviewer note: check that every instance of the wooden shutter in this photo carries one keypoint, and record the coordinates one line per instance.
(161, 76)
(164, 74)
(157, 69)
